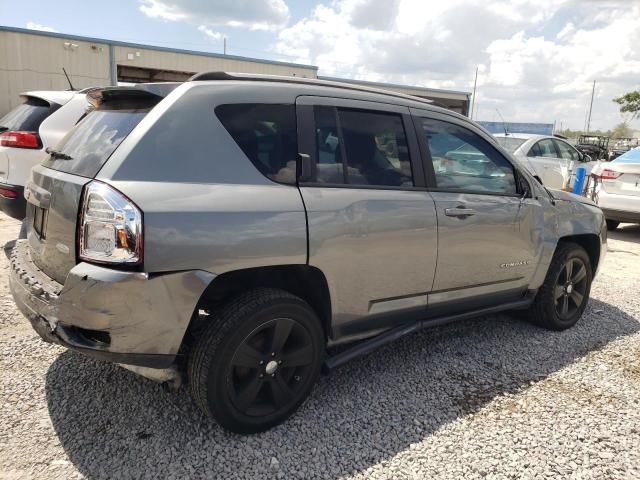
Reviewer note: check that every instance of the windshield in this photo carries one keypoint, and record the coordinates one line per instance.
(92, 141)
(632, 156)
(28, 116)
(510, 144)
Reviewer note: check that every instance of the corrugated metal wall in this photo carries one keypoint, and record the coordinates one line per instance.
(196, 63)
(35, 61)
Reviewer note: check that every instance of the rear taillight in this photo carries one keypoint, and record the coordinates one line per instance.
(20, 139)
(6, 193)
(608, 174)
(110, 227)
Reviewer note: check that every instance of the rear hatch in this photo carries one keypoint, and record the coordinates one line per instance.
(24, 119)
(55, 190)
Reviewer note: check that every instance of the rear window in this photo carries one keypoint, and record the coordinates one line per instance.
(510, 144)
(632, 156)
(92, 141)
(266, 133)
(28, 116)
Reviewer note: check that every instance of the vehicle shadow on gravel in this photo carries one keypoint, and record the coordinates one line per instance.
(626, 233)
(114, 424)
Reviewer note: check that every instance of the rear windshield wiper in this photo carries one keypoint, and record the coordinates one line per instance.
(57, 154)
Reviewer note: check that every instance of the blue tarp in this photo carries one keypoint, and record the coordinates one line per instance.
(513, 127)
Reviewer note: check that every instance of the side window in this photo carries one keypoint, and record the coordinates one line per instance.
(266, 133)
(462, 160)
(359, 147)
(535, 151)
(329, 167)
(547, 149)
(566, 150)
(376, 148)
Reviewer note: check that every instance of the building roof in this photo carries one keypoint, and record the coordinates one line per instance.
(416, 89)
(150, 47)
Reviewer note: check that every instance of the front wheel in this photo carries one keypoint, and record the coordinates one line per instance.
(612, 224)
(257, 361)
(22, 234)
(563, 297)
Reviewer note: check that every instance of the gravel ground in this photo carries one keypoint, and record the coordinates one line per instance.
(489, 398)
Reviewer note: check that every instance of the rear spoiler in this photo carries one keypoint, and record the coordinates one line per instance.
(138, 96)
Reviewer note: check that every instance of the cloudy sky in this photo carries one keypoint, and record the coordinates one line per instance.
(537, 59)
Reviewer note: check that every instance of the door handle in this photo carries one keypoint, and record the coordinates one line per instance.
(460, 212)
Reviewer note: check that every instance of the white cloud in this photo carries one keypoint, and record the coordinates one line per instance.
(37, 26)
(156, 9)
(252, 14)
(210, 33)
(538, 58)
(566, 31)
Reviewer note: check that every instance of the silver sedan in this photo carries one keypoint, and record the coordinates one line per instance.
(549, 158)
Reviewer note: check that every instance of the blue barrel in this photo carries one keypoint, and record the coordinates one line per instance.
(578, 182)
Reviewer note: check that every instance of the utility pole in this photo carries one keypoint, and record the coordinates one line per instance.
(593, 91)
(473, 100)
(224, 40)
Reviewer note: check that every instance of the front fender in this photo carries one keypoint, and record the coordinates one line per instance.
(570, 217)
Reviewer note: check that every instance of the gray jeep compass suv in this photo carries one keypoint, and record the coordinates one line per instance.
(229, 230)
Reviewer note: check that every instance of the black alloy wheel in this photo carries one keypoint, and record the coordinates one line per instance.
(256, 360)
(571, 288)
(268, 367)
(564, 294)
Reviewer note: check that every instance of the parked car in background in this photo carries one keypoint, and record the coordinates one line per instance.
(230, 229)
(550, 159)
(39, 122)
(618, 191)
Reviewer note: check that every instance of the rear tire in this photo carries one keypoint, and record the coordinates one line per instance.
(257, 361)
(612, 224)
(561, 300)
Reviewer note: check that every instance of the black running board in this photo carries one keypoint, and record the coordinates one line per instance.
(367, 346)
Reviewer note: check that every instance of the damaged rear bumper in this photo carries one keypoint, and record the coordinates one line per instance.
(124, 317)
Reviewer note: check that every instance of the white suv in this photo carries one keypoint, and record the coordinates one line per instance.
(39, 122)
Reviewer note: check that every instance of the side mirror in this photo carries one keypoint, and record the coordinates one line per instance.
(587, 158)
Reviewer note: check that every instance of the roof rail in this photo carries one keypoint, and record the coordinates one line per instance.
(214, 76)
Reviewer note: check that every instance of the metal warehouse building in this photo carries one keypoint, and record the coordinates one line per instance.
(33, 60)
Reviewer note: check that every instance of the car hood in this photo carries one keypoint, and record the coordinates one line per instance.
(570, 197)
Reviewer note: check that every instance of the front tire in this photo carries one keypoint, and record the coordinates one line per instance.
(612, 224)
(563, 297)
(22, 234)
(257, 361)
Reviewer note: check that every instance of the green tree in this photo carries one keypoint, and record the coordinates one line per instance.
(630, 103)
(621, 130)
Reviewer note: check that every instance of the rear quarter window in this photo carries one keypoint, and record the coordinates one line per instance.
(92, 141)
(266, 133)
(28, 116)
